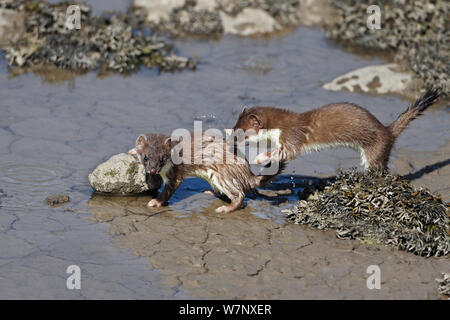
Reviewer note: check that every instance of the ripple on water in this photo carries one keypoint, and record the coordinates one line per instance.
(27, 174)
(27, 185)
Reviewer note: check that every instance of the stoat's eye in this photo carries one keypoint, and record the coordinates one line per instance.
(145, 158)
(161, 160)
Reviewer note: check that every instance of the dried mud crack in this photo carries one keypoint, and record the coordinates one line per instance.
(242, 256)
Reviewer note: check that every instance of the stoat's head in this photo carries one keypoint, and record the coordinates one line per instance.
(153, 151)
(250, 120)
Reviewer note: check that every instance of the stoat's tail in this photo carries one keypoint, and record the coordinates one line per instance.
(262, 180)
(414, 111)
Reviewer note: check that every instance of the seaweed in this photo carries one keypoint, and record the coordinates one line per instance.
(378, 208)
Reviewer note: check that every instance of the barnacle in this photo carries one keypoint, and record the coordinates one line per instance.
(416, 31)
(385, 209)
(113, 42)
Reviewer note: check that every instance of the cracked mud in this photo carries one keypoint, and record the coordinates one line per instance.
(240, 256)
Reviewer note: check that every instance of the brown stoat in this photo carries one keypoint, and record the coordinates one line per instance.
(227, 173)
(332, 125)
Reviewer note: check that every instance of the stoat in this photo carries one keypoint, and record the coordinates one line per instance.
(332, 125)
(228, 174)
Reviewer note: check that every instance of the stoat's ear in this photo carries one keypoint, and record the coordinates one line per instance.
(255, 121)
(172, 141)
(141, 141)
(244, 110)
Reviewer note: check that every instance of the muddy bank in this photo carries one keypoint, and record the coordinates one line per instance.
(426, 169)
(415, 32)
(240, 256)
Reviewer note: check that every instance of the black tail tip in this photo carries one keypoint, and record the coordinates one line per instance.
(428, 98)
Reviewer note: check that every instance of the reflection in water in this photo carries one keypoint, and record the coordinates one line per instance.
(189, 200)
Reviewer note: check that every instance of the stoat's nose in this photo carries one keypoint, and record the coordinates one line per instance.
(153, 171)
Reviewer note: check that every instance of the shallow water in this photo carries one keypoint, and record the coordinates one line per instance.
(52, 134)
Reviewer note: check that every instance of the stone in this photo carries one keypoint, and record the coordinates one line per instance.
(381, 79)
(159, 10)
(249, 21)
(122, 174)
(57, 200)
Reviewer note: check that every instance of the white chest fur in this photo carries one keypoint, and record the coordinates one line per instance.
(271, 136)
(307, 148)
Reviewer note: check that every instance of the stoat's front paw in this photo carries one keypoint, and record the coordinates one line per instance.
(223, 209)
(261, 158)
(154, 203)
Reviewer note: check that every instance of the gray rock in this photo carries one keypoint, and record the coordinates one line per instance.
(160, 9)
(214, 17)
(122, 174)
(382, 79)
(57, 200)
(248, 22)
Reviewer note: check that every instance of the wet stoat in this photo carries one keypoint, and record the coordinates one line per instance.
(230, 179)
(332, 125)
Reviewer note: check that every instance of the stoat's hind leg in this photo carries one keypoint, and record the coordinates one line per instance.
(219, 195)
(236, 203)
(376, 157)
(209, 192)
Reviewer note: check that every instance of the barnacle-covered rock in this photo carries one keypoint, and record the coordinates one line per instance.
(379, 208)
(123, 174)
(381, 79)
(416, 31)
(249, 21)
(114, 41)
(215, 17)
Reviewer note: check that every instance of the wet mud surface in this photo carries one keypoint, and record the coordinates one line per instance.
(53, 133)
(241, 256)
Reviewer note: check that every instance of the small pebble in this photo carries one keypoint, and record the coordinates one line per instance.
(57, 200)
